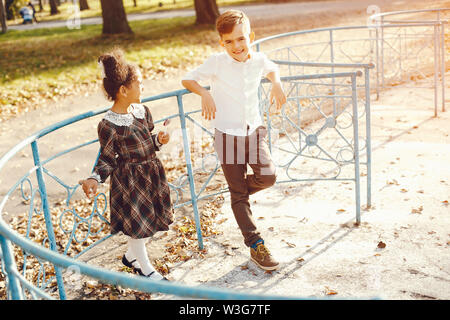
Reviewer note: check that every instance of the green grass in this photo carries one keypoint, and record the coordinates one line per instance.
(42, 64)
(49, 63)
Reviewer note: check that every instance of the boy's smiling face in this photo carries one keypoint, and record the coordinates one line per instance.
(237, 42)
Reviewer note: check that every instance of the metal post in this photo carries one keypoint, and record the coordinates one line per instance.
(187, 153)
(377, 64)
(368, 138)
(299, 115)
(436, 69)
(47, 215)
(332, 71)
(8, 258)
(443, 64)
(399, 37)
(382, 52)
(356, 150)
(289, 59)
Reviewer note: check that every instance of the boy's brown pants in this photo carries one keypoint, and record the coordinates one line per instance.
(234, 153)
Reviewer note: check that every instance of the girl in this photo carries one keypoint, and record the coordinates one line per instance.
(140, 201)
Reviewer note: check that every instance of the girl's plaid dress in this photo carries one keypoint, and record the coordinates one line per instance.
(140, 201)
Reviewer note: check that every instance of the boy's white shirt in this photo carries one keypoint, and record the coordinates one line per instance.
(234, 88)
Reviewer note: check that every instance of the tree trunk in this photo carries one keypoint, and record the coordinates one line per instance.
(206, 11)
(114, 17)
(41, 7)
(3, 17)
(8, 9)
(84, 5)
(53, 7)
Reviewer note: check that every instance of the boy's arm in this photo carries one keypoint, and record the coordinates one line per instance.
(276, 93)
(208, 105)
(205, 72)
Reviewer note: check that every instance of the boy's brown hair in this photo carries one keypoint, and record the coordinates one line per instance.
(227, 20)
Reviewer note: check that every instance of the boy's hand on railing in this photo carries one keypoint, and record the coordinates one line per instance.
(277, 94)
(89, 187)
(208, 106)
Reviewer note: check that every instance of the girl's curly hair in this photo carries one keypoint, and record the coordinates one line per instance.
(117, 72)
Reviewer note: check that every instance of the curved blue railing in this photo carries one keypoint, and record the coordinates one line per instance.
(15, 280)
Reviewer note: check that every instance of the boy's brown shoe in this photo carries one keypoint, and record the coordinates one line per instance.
(262, 257)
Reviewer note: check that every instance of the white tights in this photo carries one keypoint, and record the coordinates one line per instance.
(137, 250)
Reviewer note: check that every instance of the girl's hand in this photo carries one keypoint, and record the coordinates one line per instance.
(163, 137)
(89, 187)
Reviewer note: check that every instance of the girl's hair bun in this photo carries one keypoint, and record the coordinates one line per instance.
(117, 72)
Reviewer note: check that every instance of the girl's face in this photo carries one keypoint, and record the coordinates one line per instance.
(136, 89)
(132, 93)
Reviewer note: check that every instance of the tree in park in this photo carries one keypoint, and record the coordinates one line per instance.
(84, 5)
(206, 11)
(114, 17)
(3, 17)
(53, 7)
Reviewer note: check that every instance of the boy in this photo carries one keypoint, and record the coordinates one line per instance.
(235, 76)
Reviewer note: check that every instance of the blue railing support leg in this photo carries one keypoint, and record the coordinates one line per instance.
(187, 153)
(47, 216)
(14, 287)
(368, 139)
(356, 150)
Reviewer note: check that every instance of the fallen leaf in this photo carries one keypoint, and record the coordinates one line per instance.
(418, 210)
(381, 245)
(230, 253)
(292, 245)
(300, 259)
(330, 292)
(395, 182)
(112, 296)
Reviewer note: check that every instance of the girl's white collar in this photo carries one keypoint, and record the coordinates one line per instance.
(126, 119)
